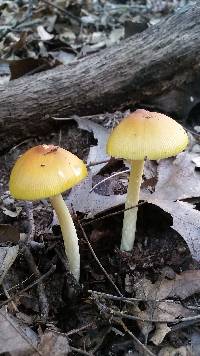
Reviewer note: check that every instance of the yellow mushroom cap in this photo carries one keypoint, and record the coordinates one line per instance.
(44, 171)
(144, 134)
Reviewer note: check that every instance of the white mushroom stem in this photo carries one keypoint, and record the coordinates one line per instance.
(69, 234)
(130, 216)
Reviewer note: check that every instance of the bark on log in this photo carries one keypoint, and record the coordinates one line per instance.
(162, 57)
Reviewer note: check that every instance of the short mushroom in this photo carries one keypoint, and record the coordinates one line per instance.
(46, 171)
(142, 135)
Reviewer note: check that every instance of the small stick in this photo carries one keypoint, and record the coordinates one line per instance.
(73, 331)
(17, 285)
(97, 260)
(35, 283)
(92, 164)
(8, 296)
(122, 315)
(112, 214)
(129, 300)
(108, 178)
(74, 117)
(137, 341)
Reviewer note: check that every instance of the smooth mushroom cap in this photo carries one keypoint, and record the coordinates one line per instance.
(144, 134)
(45, 171)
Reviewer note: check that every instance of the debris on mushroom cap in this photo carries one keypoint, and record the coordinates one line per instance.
(44, 171)
(145, 134)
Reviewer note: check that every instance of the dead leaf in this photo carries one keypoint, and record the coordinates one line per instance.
(12, 214)
(80, 196)
(7, 258)
(98, 152)
(92, 203)
(62, 56)
(177, 178)
(172, 351)
(43, 34)
(145, 327)
(161, 331)
(115, 36)
(15, 337)
(182, 286)
(186, 221)
(21, 43)
(53, 344)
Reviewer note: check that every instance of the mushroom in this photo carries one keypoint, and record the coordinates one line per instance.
(142, 135)
(46, 171)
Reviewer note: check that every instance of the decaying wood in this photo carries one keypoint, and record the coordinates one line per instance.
(162, 57)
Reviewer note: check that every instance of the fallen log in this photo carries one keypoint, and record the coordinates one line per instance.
(163, 57)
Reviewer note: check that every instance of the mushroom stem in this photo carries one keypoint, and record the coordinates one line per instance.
(130, 216)
(69, 234)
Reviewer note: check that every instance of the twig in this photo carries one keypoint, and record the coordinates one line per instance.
(17, 285)
(35, 283)
(97, 260)
(44, 306)
(92, 164)
(12, 149)
(82, 352)
(74, 117)
(112, 214)
(102, 307)
(8, 296)
(67, 13)
(123, 315)
(73, 331)
(193, 132)
(129, 300)
(136, 340)
(108, 178)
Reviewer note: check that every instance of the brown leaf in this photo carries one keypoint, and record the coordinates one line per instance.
(53, 344)
(161, 331)
(182, 286)
(21, 67)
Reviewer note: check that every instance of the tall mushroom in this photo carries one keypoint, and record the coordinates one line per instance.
(46, 171)
(142, 135)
